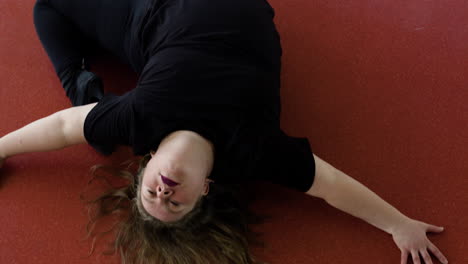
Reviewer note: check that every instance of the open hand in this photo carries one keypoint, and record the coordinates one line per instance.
(411, 238)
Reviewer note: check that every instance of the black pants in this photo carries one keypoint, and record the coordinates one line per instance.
(70, 30)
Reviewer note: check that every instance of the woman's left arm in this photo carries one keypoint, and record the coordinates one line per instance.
(350, 196)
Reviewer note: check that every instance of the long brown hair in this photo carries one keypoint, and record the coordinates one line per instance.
(215, 231)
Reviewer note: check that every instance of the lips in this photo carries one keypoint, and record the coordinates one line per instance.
(168, 181)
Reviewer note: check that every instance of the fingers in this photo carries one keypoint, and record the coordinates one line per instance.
(404, 256)
(415, 255)
(426, 257)
(437, 253)
(433, 228)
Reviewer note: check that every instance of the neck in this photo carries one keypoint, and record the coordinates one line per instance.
(194, 140)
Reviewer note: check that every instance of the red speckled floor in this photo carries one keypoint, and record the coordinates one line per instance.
(379, 87)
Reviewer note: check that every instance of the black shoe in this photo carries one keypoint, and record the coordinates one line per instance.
(82, 87)
(89, 88)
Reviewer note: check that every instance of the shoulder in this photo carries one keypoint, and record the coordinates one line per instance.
(110, 122)
(286, 160)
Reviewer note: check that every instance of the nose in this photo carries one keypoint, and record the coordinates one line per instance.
(163, 192)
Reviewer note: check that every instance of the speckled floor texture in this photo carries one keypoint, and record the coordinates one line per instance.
(380, 88)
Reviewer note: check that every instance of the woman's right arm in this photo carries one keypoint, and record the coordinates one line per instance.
(57, 131)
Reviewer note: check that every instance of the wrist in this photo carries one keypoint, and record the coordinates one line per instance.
(400, 224)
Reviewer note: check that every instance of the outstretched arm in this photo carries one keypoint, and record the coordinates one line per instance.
(350, 196)
(59, 130)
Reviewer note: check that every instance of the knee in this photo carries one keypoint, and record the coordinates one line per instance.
(40, 5)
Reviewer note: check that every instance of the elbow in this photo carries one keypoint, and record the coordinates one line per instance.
(332, 190)
(70, 123)
(62, 126)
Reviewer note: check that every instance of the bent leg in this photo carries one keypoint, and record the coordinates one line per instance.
(69, 30)
(61, 39)
(101, 23)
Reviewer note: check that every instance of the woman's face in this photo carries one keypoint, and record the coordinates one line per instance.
(176, 176)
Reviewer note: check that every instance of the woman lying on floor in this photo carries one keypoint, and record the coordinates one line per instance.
(205, 111)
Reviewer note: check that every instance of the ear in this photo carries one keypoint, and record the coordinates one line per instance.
(152, 153)
(206, 187)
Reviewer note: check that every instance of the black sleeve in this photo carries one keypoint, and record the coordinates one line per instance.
(287, 161)
(110, 123)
